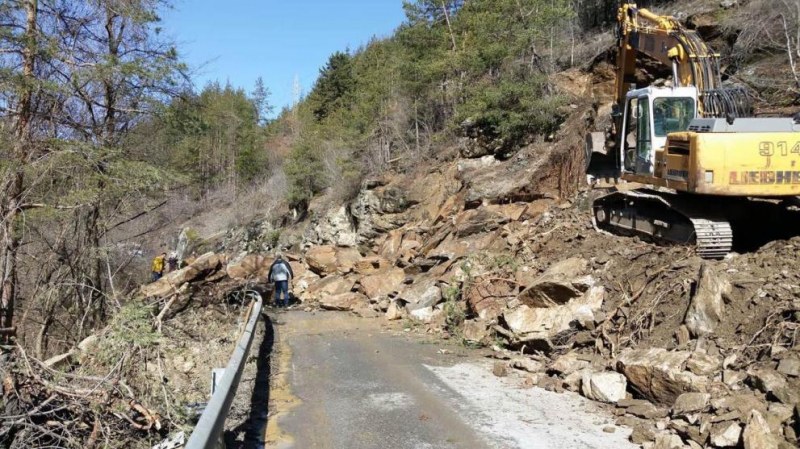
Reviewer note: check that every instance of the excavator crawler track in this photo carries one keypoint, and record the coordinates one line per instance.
(669, 217)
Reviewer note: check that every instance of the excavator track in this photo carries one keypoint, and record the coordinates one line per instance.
(669, 217)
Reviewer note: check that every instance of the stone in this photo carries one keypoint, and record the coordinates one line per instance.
(567, 364)
(555, 286)
(740, 403)
(382, 283)
(474, 221)
(733, 378)
(690, 403)
(682, 335)
(331, 285)
(249, 266)
(666, 440)
(647, 411)
(349, 301)
(604, 387)
(790, 365)
(757, 434)
(766, 380)
(488, 297)
(475, 331)
(727, 434)
(395, 311)
(658, 374)
(500, 369)
(707, 306)
(512, 212)
(425, 315)
(703, 364)
(346, 259)
(537, 323)
(371, 265)
(422, 293)
(322, 259)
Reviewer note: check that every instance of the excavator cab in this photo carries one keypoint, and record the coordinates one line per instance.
(650, 115)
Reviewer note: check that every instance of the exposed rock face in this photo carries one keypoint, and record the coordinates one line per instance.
(659, 375)
(335, 228)
(604, 387)
(474, 221)
(707, 307)
(349, 301)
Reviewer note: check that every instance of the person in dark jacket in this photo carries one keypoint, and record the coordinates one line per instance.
(280, 274)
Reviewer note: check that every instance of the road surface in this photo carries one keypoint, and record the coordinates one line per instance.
(349, 383)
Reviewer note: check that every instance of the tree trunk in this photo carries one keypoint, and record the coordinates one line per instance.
(14, 186)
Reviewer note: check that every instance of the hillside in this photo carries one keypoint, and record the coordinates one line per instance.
(434, 178)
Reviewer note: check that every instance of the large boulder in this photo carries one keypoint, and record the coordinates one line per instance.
(488, 297)
(558, 285)
(604, 387)
(541, 323)
(422, 293)
(757, 434)
(659, 375)
(383, 283)
(707, 307)
(371, 265)
(329, 286)
(249, 266)
(344, 302)
(346, 259)
(322, 259)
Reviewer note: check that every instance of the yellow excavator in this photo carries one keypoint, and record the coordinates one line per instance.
(693, 142)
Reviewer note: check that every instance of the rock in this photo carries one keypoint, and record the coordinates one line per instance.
(329, 286)
(346, 259)
(249, 266)
(690, 403)
(487, 298)
(726, 434)
(647, 411)
(532, 323)
(383, 283)
(567, 364)
(474, 221)
(790, 365)
(658, 374)
(422, 293)
(667, 440)
(511, 212)
(555, 286)
(766, 380)
(344, 302)
(757, 434)
(728, 4)
(426, 315)
(475, 331)
(500, 369)
(322, 259)
(741, 403)
(371, 265)
(703, 364)
(395, 311)
(707, 306)
(604, 387)
(733, 378)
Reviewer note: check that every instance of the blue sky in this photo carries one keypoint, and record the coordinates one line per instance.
(240, 40)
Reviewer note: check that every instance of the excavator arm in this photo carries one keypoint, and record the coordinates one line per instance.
(693, 62)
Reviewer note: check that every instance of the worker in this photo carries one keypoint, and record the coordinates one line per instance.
(172, 261)
(158, 266)
(280, 273)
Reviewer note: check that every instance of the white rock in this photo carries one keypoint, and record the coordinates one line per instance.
(605, 387)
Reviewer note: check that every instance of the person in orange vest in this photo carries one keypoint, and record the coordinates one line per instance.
(158, 266)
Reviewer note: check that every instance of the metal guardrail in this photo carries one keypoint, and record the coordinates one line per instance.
(208, 432)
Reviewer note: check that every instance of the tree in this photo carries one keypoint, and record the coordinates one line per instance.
(334, 86)
(260, 97)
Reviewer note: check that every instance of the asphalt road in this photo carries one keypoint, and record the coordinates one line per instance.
(358, 385)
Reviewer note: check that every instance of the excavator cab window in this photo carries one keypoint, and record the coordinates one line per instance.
(644, 144)
(672, 115)
(631, 133)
